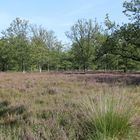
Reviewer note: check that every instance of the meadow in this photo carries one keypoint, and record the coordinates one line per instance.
(66, 106)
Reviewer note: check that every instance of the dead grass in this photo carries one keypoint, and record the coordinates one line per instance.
(46, 106)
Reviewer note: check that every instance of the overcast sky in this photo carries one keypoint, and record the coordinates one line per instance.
(59, 15)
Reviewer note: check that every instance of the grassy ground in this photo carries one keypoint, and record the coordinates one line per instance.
(45, 106)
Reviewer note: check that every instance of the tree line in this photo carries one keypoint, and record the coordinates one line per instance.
(26, 47)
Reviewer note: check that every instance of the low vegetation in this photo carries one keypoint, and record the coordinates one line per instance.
(43, 106)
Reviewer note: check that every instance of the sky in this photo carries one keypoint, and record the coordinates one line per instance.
(59, 15)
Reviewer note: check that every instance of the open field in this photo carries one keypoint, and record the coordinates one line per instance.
(43, 106)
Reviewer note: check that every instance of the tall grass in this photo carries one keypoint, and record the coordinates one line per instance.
(106, 117)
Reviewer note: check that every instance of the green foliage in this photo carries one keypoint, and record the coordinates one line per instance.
(106, 118)
(84, 35)
(16, 39)
(132, 10)
(121, 48)
(25, 47)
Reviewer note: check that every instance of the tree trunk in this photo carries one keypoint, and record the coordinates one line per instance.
(23, 67)
(3, 67)
(84, 67)
(40, 68)
(48, 67)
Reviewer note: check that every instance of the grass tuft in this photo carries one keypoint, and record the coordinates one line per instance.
(106, 117)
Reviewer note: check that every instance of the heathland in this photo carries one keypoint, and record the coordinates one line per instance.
(66, 106)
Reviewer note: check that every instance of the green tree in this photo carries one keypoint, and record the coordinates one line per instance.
(55, 56)
(83, 35)
(39, 53)
(46, 49)
(121, 45)
(5, 56)
(17, 38)
(132, 10)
